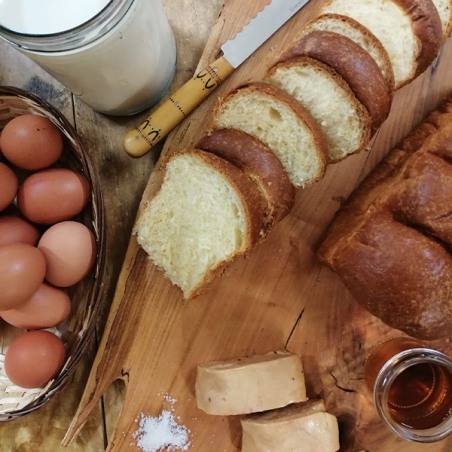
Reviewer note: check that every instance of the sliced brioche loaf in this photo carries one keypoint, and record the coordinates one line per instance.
(353, 64)
(344, 121)
(206, 212)
(278, 120)
(260, 164)
(444, 8)
(410, 31)
(361, 35)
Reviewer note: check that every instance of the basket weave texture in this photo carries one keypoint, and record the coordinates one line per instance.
(86, 296)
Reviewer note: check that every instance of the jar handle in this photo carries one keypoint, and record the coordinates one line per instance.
(139, 141)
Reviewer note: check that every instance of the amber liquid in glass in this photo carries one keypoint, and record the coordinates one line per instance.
(421, 396)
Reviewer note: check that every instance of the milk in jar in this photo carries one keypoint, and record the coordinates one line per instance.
(118, 56)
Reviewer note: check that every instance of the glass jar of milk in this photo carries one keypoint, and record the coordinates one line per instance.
(119, 56)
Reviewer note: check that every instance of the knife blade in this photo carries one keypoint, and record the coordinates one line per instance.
(139, 141)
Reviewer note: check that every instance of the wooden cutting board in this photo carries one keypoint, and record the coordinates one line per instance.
(278, 298)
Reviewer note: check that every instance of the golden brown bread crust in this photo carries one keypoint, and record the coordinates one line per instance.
(426, 25)
(362, 112)
(426, 28)
(353, 64)
(391, 264)
(244, 186)
(303, 115)
(426, 173)
(260, 163)
(254, 210)
(245, 189)
(250, 196)
(379, 182)
(391, 242)
(371, 41)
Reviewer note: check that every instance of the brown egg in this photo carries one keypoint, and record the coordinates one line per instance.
(31, 142)
(47, 308)
(34, 358)
(22, 270)
(53, 195)
(15, 229)
(8, 186)
(69, 248)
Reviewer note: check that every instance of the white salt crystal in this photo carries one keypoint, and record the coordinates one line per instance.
(156, 433)
(170, 399)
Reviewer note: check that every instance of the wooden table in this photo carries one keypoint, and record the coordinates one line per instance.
(123, 182)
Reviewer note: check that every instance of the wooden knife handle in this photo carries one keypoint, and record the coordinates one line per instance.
(139, 141)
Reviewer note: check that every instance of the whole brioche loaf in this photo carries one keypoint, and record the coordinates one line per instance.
(206, 213)
(391, 242)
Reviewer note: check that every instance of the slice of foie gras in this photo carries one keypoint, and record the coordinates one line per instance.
(251, 384)
(302, 427)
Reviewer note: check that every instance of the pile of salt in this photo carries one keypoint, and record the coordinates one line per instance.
(156, 433)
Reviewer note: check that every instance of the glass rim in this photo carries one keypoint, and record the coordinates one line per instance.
(72, 38)
(386, 376)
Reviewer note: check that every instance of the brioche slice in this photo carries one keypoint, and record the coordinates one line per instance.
(350, 28)
(302, 427)
(260, 164)
(410, 31)
(206, 213)
(345, 123)
(444, 8)
(278, 120)
(353, 64)
(251, 384)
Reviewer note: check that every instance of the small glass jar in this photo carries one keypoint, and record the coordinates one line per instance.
(412, 389)
(120, 61)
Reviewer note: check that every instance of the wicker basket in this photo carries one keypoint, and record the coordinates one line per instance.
(76, 331)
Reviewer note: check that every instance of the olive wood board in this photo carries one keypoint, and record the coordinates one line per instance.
(279, 297)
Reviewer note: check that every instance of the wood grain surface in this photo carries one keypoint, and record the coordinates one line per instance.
(280, 297)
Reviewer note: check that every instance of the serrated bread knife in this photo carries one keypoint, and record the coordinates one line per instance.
(139, 141)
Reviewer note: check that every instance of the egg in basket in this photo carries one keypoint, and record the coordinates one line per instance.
(52, 251)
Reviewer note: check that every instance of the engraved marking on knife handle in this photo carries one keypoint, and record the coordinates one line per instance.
(139, 141)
